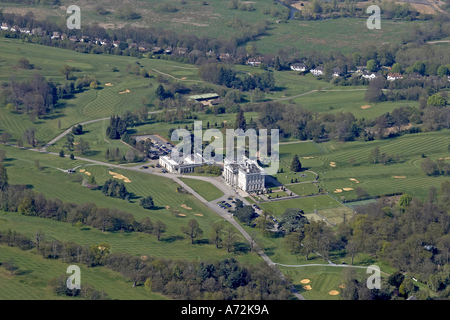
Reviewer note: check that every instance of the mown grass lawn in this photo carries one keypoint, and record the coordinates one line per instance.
(208, 191)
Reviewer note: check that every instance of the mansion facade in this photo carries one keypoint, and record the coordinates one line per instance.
(244, 174)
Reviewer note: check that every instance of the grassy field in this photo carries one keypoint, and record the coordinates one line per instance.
(30, 281)
(210, 19)
(203, 188)
(345, 35)
(374, 178)
(55, 184)
(89, 104)
(337, 100)
(306, 204)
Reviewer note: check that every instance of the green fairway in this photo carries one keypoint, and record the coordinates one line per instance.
(376, 179)
(321, 279)
(30, 282)
(337, 99)
(306, 204)
(203, 188)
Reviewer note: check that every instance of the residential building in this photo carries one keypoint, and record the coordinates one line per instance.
(394, 76)
(317, 71)
(185, 165)
(299, 67)
(244, 174)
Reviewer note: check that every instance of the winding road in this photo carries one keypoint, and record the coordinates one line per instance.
(218, 182)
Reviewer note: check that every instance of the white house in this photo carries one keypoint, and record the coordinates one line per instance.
(5, 26)
(336, 72)
(394, 76)
(299, 67)
(186, 165)
(254, 62)
(369, 75)
(244, 174)
(317, 71)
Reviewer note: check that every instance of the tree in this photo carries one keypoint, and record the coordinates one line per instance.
(72, 157)
(61, 153)
(264, 222)
(428, 167)
(404, 200)
(192, 229)
(82, 146)
(19, 143)
(146, 225)
(230, 237)
(396, 68)
(93, 84)
(296, 165)
(277, 65)
(5, 137)
(39, 236)
(130, 156)
(78, 129)
(216, 233)
(159, 228)
(240, 122)
(352, 248)
(66, 71)
(293, 219)
(160, 92)
(3, 178)
(371, 66)
(436, 100)
(147, 203)
(10, 265)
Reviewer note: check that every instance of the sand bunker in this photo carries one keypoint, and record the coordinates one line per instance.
(365, 107)
(88, 173)
(338, 191)
(446, 158)
(82, 170)
(333, 164)
(353, 179)
(184, 78)
(308, 157)
(198, 214)
(399, 177)
(334, 292)
(144, 258)
(126, 91)
(348, 189)
(186, 207)
(108, 84)
(342, 286)
(119, 176)
(305, 281)
(167, 207)
(182, 215)
(307, 287)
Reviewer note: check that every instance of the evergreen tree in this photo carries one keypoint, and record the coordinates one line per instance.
(296, 165)
(61, 153)
(147, 203)
(240, 121)
(3, 178)
(160, 92)
(277, 65)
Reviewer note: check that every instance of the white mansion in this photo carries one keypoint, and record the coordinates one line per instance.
(245, 174)
(186, 165)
